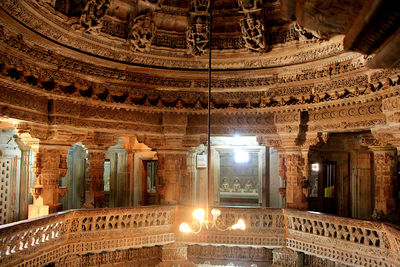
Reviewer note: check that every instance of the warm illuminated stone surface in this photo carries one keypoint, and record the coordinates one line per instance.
(78, 237)
(127, 81)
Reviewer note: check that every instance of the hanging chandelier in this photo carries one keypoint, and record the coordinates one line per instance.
(200, 216)
(217, 223)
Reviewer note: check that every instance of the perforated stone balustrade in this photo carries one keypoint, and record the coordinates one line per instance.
(64, 235)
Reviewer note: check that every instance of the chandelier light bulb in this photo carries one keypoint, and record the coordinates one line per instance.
(239, 225)
(185, 228)
(198, 214)
(216, 212)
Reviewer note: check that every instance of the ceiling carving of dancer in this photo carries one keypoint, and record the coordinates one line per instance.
(141, 32)
(92, 15)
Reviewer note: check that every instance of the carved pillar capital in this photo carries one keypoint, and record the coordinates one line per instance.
(99, 141)
(376, 140)
(270, 141)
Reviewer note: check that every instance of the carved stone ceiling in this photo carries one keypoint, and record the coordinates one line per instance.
(247, 34)
(154, 53)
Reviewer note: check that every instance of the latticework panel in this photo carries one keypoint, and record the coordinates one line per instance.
(5, 185)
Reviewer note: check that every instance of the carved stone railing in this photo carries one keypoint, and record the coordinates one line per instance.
(43, 240)
(67, 235)
(350, 241)
(264, 227)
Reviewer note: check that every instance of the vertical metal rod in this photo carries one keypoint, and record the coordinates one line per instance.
(209, 106)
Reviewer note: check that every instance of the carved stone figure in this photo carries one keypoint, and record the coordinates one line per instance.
(225, 185)
(179, 104)
(248, 187)
(253, 33)
(262, 102)
(94, 11)
(198, 104)
(141, 33)
(236, 185)
(306, 34)
(197, 37)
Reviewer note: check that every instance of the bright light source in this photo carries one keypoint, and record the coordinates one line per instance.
(241, 156)
(185, 228)
(315, 167)
(198, 214)
(216, 212)
(239, 225)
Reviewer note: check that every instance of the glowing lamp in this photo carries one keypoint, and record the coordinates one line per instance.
(198, 214)
(240, 225)
(185, 228)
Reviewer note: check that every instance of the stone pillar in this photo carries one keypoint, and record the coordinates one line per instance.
(385, 166)
(97, 145)
(196, 177)
(50, 163)
(172, 176)
(292, 169)
(122, 182)
(94, 196)
(24, 183)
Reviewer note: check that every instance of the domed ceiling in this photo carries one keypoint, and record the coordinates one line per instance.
(247, 34)
(152, 55)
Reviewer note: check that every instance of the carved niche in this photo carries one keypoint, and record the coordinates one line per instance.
(92, 15)
(252, 26)
(141, 32)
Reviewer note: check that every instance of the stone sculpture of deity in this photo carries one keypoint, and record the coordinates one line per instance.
(253, 33)
(141, 33)
(197, 38)
(94, 11)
